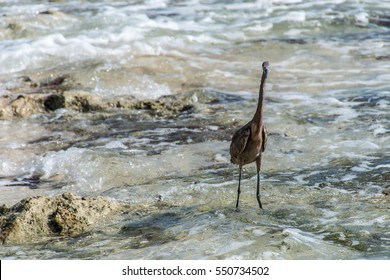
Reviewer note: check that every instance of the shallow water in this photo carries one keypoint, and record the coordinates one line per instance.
(327, 115)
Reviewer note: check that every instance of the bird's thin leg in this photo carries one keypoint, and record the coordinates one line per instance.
(239, 187)
(258, 165)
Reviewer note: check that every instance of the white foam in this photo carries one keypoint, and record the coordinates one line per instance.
(145, 88)
(259, 27)
(329, 216)
(258, 232)
(221, 158)
(16, 155)
(77, 166)
(345, 114)
(363, 219)
(115, 145)
(298, 16)
(21, 54)
(382, 166)
(362, 18)
(16, 162)
(303, 237)
(213, 127)
(379, 129)
(293, 32)
(348, 177)
(363, 144)
(363, 167)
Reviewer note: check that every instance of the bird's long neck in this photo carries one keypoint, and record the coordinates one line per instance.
(258, 117)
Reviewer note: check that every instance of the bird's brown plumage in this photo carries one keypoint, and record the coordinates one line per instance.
(250, 140)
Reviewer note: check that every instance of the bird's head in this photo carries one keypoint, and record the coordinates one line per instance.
(265, 68)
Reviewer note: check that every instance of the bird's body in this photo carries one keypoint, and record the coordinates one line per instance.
(249, 141)
(247, 144)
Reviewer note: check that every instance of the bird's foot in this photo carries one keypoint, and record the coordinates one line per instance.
(259, 201)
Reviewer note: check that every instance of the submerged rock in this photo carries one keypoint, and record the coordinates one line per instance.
(64, 215)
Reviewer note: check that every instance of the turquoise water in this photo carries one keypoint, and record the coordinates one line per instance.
(327, 114)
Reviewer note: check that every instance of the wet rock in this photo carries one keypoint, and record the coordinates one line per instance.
(54, 102)
(35, 218)
(167, 106)
(26, 85)
(58, 83)
(29, 97)
(21, 106)
(83, 101)
(24, 105)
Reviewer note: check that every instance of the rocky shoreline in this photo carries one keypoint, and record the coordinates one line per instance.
(36, 218)
(30, 97)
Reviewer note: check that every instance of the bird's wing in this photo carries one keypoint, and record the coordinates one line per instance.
(239, 140)
(264, 144)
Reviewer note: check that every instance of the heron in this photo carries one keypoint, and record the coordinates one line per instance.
(249, 142)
